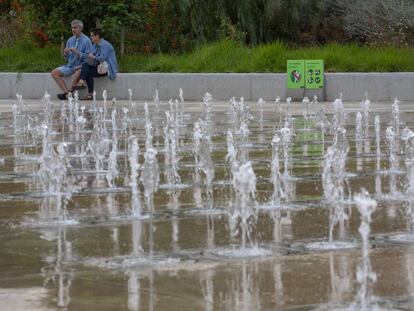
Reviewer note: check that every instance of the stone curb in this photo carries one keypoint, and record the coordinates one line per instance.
(251, 86)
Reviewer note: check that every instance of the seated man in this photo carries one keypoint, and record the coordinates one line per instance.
(77, 48)
(100, 62)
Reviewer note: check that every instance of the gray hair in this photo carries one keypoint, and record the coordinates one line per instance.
(77, 22)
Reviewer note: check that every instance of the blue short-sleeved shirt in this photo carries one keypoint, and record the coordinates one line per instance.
(83, 44)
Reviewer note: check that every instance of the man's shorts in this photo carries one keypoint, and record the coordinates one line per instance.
(66, 70)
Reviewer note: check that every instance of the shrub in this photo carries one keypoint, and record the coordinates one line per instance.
(379, 23)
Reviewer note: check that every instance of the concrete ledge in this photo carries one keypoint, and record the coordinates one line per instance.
(223, 86)
(379, 86)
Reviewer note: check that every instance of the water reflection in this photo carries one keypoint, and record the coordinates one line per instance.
(55, 271)
(173, 205)
(207, 286)
(134, 287)
(113, 210)
(341, 278)
(245, 293)
(278, 284)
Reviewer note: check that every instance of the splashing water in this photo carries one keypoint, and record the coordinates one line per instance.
(260, 104)
(231, 150)
(278, 110)
(276, 176)
(365, 107)
(288, 103)
(133, 151)
(306, 103)
(130, 96)
(157, 103)
(377, 124)
(196, 147)
(98, 145)
(358, 126)
(54, 179)
(393, 161)
(245, 188)
(358, 140)
(396, 122)
(409, 161)
(323, 124)
(113, 171)
(333, 182)
(150, 178)
(181, 109)
(365, 276)
(286, 135)
(150, 175)
(171, 157)
(105, 103)
(206, 162)
(148, 128)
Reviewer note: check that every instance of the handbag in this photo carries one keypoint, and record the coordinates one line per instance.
(103, 68)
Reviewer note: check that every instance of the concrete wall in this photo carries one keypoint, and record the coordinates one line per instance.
(251, 86)
(379, 86)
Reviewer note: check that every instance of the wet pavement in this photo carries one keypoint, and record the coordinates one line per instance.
(185, 256)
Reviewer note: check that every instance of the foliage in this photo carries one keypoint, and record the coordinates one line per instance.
(10, 23)
(54, 16)
(226, 56)
(148, 25)
(380, 22)
(160, 29)
(177, 26)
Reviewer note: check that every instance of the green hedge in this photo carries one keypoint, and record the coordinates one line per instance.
(226, 56)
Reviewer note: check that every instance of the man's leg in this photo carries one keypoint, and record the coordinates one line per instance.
(94, 74)
(60, 72)
(76, 78)
(57, 76)
(86, 76)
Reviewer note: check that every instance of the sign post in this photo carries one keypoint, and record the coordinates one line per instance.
(314, 74)
(296, 74)
(305, 78)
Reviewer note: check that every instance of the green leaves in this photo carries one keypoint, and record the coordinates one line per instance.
(225, 56)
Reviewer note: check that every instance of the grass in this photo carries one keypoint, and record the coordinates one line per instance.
(226, 56)
(25, 57)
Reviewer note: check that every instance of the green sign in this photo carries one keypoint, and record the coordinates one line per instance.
(296, 74)
(314, 74)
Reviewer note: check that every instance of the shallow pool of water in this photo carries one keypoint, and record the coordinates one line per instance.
(186, 254)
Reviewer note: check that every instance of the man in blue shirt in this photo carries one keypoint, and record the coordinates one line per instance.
(77, 48)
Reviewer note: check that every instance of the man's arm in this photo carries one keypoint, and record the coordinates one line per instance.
(66, 49)
(84, 50)
(83, 53)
